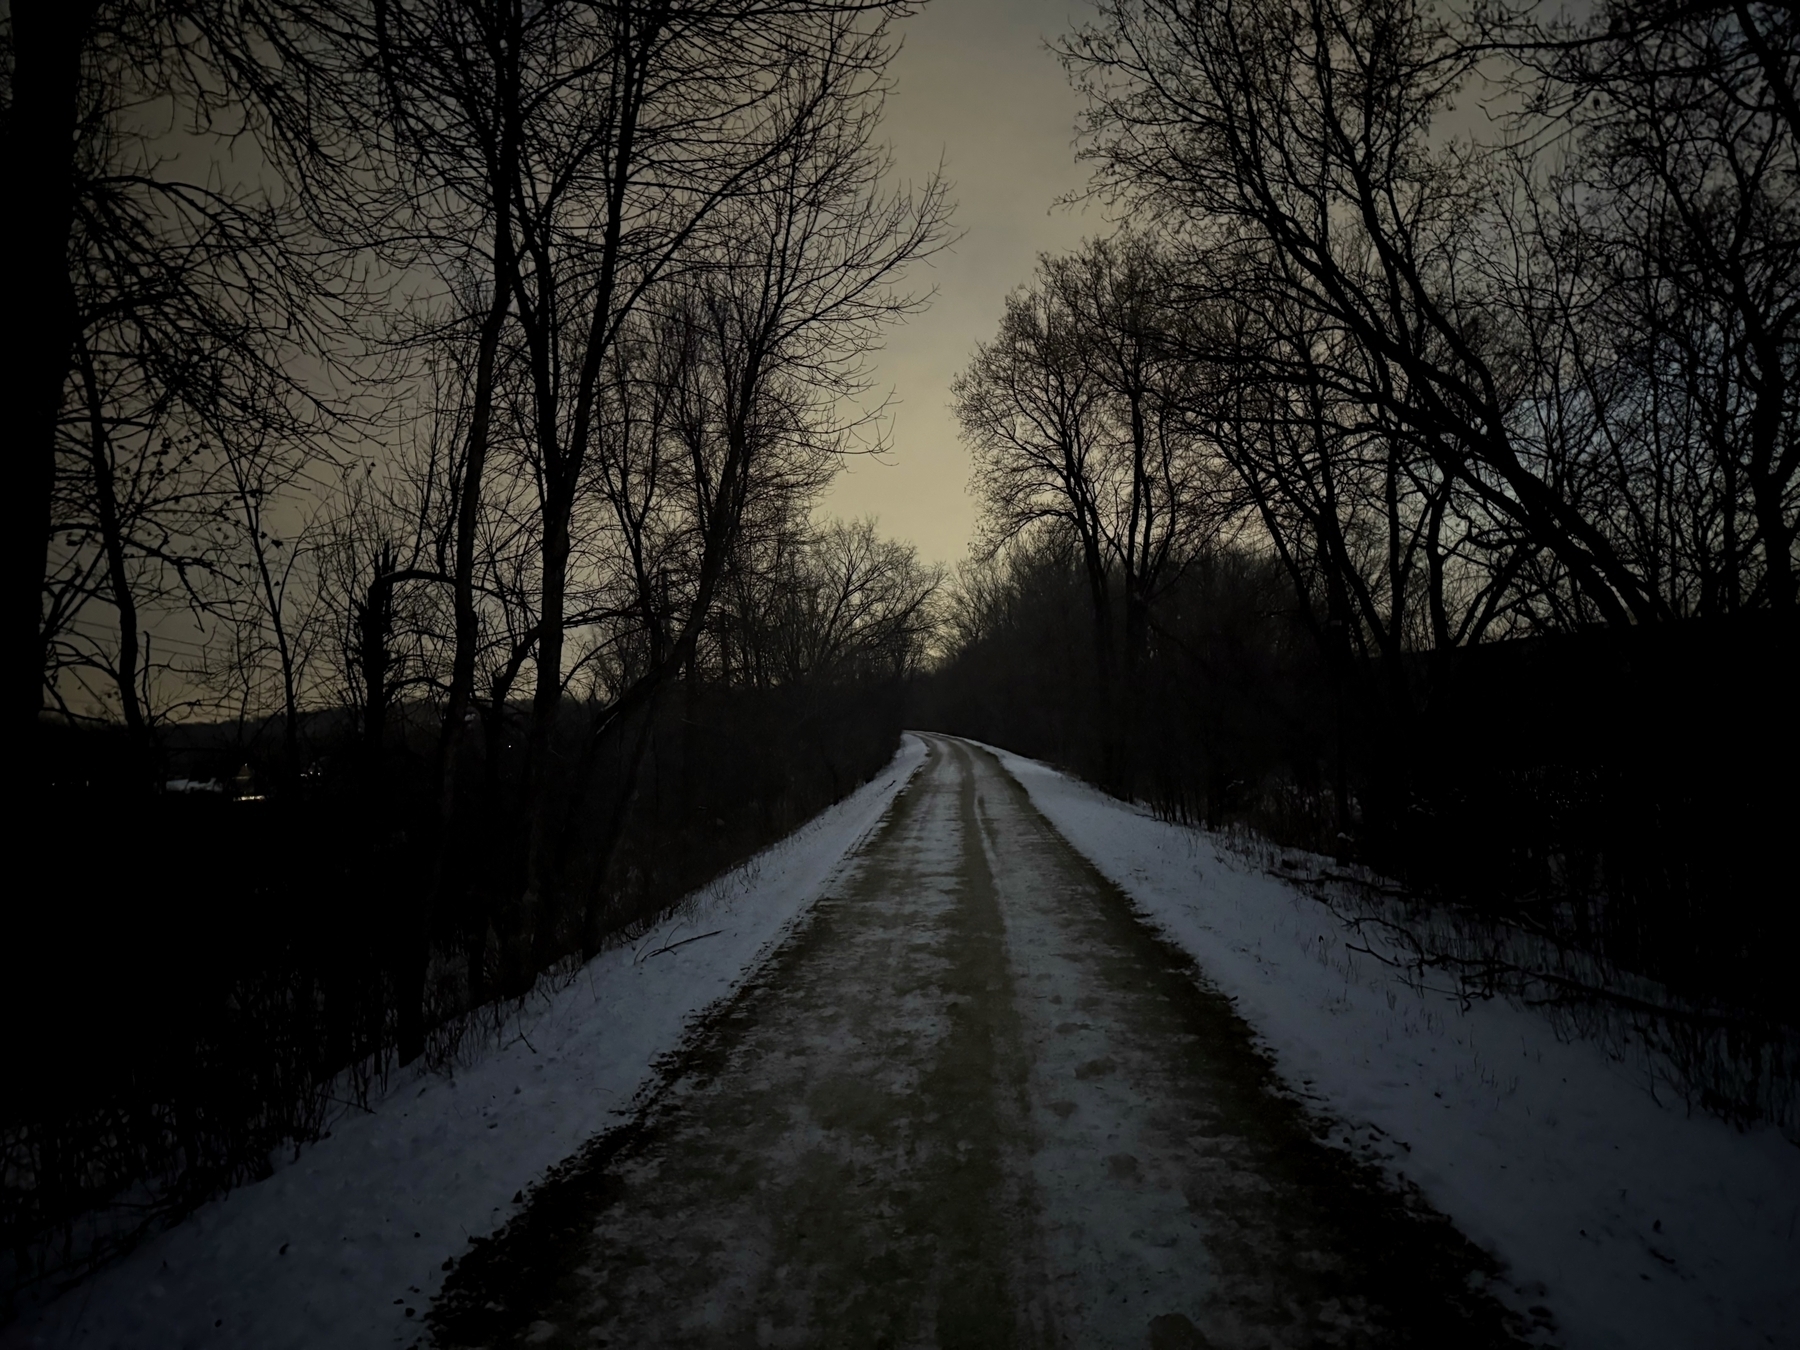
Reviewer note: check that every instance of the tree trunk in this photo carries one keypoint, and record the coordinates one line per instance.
(47, 45)
(468, 518)
(594, 912)
(1768, 485)
(112, 541)
(525, 931)
(374, 619)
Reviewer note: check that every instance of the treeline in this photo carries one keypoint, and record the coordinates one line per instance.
(1414, 479)
(415, 579)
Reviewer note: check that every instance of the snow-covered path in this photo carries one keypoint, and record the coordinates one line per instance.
(973, 1102)
(1638, 1224)
(991, 1059)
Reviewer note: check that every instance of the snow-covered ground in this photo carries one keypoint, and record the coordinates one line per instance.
(346, 1245)
(1637, 1225)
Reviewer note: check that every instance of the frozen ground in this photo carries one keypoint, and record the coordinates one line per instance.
(950, 1092)
(1637, 1225)
(344, 1247)
(972, 1102)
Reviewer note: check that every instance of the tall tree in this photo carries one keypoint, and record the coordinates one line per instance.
(1300, 134)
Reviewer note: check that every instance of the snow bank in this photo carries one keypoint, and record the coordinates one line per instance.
(345, 1246)
(1636, 1225)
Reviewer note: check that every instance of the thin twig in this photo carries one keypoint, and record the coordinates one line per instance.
(684, 942)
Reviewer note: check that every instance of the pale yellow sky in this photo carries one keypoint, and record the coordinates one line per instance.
(975, 86)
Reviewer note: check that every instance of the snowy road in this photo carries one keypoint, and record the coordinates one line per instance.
(973, 1102)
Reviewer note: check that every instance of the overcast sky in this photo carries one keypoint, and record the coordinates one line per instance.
(976, 87)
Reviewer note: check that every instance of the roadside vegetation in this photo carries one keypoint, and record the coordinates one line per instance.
(1415, 483)
(419, 581)
(419, 411)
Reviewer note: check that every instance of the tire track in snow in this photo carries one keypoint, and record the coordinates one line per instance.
(974, 1102)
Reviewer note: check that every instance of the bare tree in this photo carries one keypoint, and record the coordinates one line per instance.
(838, 605)
(200, 314)
(1028, 408)
(1665, 248)
(87, 86)
(1299, 136)
(1080, 413)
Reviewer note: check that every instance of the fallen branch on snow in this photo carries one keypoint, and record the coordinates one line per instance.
(669, 947)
